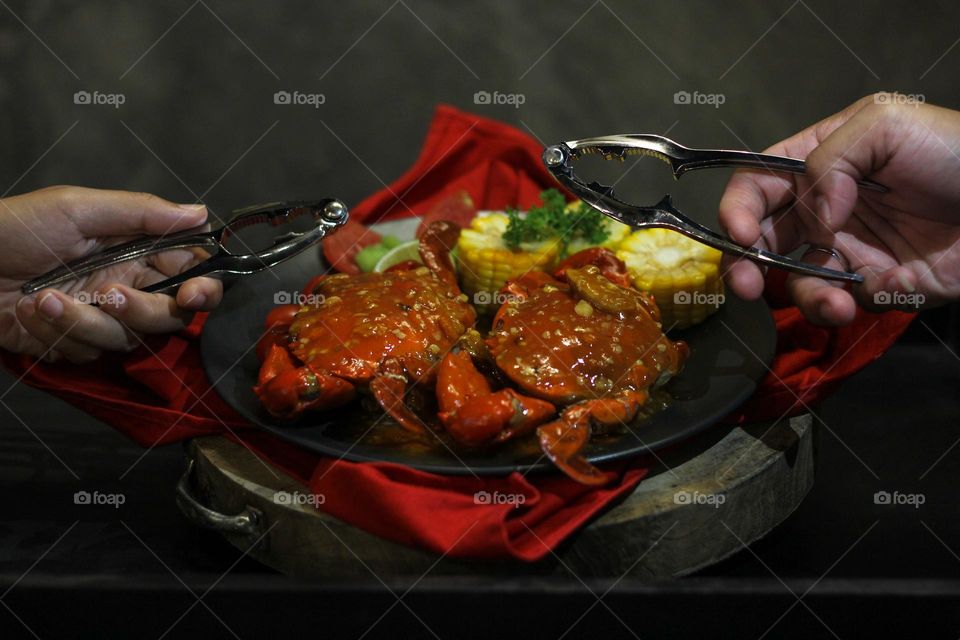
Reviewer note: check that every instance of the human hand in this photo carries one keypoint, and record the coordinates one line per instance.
(44, 229)
(902, 242)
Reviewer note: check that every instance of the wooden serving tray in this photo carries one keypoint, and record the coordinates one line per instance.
(712, 494)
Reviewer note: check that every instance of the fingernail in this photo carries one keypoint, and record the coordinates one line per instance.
(193, 208)
(196, 300)
(902, 279)
(27, 305)
(823, 210)
(50, 306)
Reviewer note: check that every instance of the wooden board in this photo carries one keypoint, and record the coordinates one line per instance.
(683, 516)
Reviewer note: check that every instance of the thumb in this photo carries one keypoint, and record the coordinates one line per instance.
(98, 212)
(855, 150)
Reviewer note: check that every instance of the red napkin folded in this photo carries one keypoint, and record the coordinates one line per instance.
(159, 394)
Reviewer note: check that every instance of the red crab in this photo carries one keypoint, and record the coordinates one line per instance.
(584, 340)
(378, 330)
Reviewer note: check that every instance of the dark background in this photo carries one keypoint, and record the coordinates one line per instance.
(199, 123)
(199, 79)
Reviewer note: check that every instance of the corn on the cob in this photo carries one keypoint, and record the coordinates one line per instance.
(486, 263)
(683, 275)
(616, 233)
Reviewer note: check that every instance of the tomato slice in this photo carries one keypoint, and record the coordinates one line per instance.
(457, 208)
(341, 247)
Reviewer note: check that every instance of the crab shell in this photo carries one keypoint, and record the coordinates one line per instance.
(565, 342)
(583, 348)
(376, 330)
(361, 320)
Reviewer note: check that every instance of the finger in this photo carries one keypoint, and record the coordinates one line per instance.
(200, 294)
(196, 294)
(56, 343)
(823, 302)
(99, 212)
(782, 232)
(51, 355)
(779, 233)
(22, 340)
(749, 197)
(83, 322)
(171, 263)
(73, 351)
(820, 301)
(146, 312)
(853, 151)
(895, 288)
(753, 194)
(744, 277)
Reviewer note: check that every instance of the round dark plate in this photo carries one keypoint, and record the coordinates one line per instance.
(729, 354)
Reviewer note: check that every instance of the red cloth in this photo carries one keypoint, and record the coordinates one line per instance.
(159, 393)
(811, 361)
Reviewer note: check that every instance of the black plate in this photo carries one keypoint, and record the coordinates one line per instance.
(729, 354)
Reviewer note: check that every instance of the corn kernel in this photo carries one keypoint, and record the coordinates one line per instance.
(682, 275)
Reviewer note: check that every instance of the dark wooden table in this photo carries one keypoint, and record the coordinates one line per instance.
(841, 564)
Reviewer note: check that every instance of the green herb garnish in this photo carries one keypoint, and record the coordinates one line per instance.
(552, 220)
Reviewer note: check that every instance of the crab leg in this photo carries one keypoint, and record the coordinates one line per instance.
(435, 246)
(287, 389)
(389, 386)
(475, 415)
(563, 440)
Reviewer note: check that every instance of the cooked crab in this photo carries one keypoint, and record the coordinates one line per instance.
(380, 331)
(583, 340)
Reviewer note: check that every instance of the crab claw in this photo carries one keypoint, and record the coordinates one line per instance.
(563, 440)
(611, 267)
(473, 415)
(277, 325)
(389, 387)
(287, 390)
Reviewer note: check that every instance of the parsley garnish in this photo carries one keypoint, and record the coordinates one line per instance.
(552, 220)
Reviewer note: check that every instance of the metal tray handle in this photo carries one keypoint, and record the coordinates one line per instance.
(248, 522)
